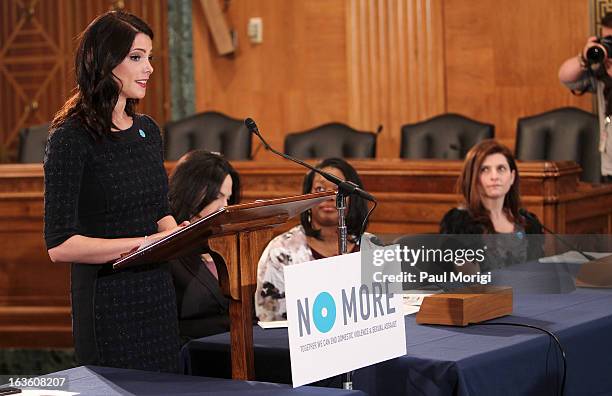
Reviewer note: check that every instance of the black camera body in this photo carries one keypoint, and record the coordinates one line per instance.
(597, 54)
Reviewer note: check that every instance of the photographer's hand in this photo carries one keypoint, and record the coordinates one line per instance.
(573, 68)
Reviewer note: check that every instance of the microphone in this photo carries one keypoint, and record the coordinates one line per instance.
(345, 187)
(531, 217)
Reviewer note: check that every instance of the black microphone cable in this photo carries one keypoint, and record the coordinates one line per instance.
(259, 146)
(531, 217)
(551, 334)
(365, 221)
(345, 187)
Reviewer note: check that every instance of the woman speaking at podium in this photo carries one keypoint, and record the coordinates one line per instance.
(105, 192)
(489, 185)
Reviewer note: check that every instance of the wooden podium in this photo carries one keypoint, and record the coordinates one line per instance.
(235, 236)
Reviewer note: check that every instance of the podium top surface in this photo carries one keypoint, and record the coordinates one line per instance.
(226, 221)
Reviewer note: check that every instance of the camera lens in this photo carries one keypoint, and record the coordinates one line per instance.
(595, 55)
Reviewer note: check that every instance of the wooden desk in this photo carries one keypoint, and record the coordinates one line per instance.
(413, 196)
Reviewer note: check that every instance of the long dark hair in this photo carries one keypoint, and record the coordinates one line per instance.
(468, 184)
(102, 46)
(196, 181)
(357, 209)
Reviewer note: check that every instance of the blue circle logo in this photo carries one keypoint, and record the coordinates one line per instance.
(324, 312)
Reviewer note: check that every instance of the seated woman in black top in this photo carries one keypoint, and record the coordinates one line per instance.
(201, 184)
(489, 184)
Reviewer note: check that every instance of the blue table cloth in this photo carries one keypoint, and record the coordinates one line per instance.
(107, 381)
(475, 360)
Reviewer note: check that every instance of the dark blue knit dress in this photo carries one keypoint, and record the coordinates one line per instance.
(113, 188)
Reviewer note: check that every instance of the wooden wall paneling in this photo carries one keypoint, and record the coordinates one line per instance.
(35, 327)
(28, 63)
(395, 64)
(502, 58)
(35, 299)
(591, 218)
(598, 225)
(37, 44)
(294, 80)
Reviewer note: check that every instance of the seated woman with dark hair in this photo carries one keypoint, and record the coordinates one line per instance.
(201, 184)
(315, 238)
(489, 184)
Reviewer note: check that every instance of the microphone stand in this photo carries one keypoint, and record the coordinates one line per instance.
(345, 189)
(342, 230)
(347, 378)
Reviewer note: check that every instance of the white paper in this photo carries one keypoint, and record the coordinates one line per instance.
(410, 309)
(45, 392)
(276, 324)
(415, 299)
(412, 302)
(572, 257)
